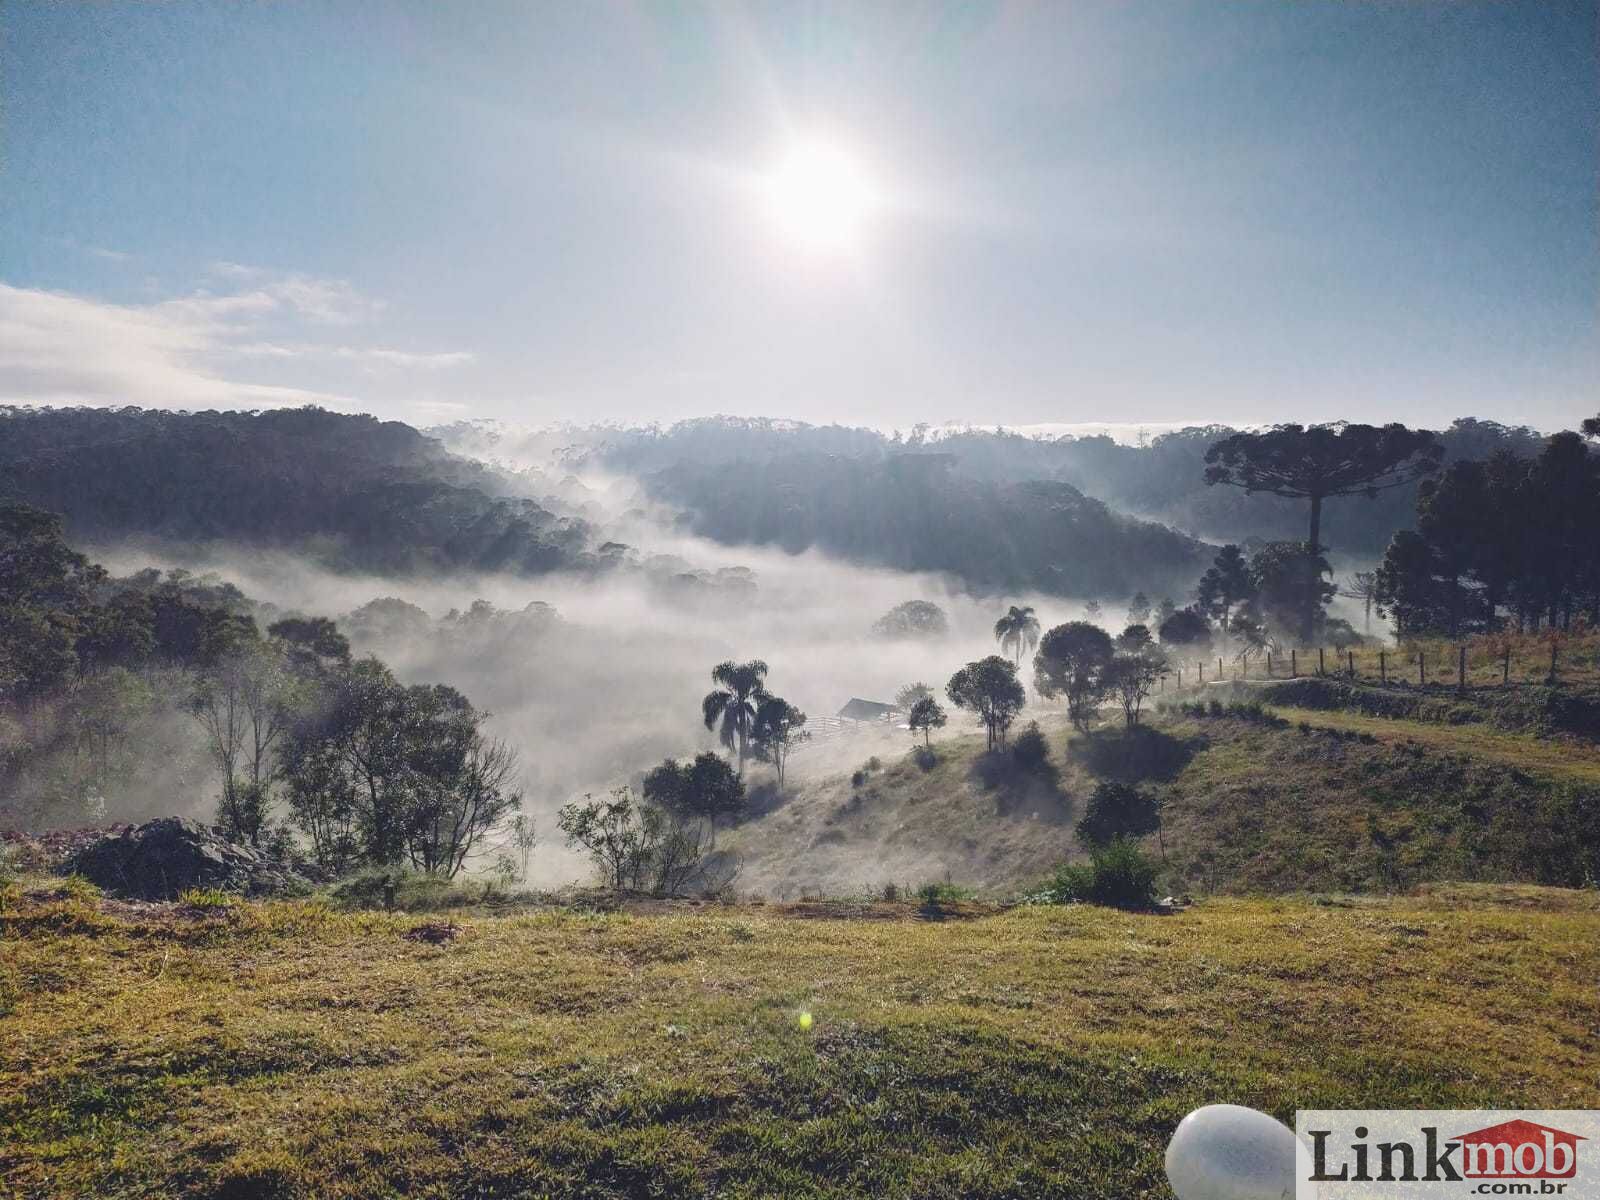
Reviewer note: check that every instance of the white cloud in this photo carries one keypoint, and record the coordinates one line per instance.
(366, 355)
(62, 349)
(200, 350)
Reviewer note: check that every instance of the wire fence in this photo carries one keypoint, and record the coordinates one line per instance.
(1485, 661)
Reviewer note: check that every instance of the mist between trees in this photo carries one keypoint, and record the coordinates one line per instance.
(412, 720)
(589, 684)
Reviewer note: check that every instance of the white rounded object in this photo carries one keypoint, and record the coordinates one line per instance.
(1229, 1152)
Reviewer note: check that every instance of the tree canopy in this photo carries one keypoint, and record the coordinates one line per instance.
(989, 688)
(1071, 663)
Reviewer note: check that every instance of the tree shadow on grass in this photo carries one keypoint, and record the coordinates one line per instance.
(763, 797)
(1020, 790)
(1135, 755)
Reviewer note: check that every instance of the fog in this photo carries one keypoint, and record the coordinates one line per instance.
(596, 678)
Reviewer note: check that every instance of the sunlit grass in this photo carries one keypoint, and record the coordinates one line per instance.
(1528, 752)
(291, 1050)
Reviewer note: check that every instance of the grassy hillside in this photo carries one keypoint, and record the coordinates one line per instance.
(1295, 806)
(286, 1051)
(956, 814)
(1250, 804)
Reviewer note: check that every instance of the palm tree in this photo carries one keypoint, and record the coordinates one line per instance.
(1017, 632)
(734, 702)
(1363, 586)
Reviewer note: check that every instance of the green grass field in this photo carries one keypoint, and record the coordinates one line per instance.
(1539, 756)
(285, 1050)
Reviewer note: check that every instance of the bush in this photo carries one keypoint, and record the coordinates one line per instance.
(207, 898)
(1030, 751)
(1118, 810)
(933, 895)
(1119, 875)
(412, 891)
(79, 889)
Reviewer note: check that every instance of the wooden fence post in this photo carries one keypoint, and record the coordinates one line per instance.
(1351, 654)
(1552, 678)
(1322, 662)
(1180, 679)
(1461, 669)
(1219, 668)
(1422, 668)
(1294, 666)
(1505, 667)
(1383, 668)
(1202, 665)
(1269, 664)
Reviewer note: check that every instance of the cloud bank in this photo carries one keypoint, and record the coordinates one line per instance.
(251, 338)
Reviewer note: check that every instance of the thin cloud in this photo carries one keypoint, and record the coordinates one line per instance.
(57, 348)
(364, 355)
(206, 348)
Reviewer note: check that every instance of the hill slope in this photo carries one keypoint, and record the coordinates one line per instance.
(1248, 805)
(354, 491)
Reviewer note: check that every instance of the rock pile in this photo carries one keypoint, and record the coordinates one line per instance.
(161, 859)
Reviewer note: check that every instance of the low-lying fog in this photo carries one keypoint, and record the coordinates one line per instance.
(611, 681)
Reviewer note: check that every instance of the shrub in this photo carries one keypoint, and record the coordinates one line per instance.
(411, 891)
(933, 895)
(207, 898)
(1118, 810)
(1119, 875)
(76, 887)
(857, 778)
(1030, 751)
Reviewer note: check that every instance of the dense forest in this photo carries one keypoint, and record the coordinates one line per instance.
(919, 512)
(1161, 479)
(351, 491)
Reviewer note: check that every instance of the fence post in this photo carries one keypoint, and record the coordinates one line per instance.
(1269, 664)
(1422, 668)
(1352, 660)
(1219, 668)
(1294, 665)
(1322, 662)
(1202, 665)
(1552, 660)
(1180, 679)
(1383, 668)
(1505, 667)
(1461, 669)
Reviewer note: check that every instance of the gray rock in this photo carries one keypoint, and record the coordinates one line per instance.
(160, 859)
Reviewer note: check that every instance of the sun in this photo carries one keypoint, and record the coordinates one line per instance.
(821, 196)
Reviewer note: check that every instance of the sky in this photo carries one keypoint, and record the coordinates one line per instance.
(1024, 213)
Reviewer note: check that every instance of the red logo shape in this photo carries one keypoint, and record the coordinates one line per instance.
(1519, 1149)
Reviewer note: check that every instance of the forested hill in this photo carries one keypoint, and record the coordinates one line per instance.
(1161, 480)
(363, 494)
(918, 512)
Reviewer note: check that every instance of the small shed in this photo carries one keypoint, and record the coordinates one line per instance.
(866, 710)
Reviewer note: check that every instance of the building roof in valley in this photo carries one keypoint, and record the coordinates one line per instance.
(866, 710)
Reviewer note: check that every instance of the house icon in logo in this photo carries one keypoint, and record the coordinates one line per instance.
(1519, 1149)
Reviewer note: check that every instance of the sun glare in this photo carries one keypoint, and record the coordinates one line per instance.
(821, 197)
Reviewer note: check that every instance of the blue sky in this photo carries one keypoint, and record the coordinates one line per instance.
(538, 211)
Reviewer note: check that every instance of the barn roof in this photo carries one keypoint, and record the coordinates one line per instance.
(866, 710)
